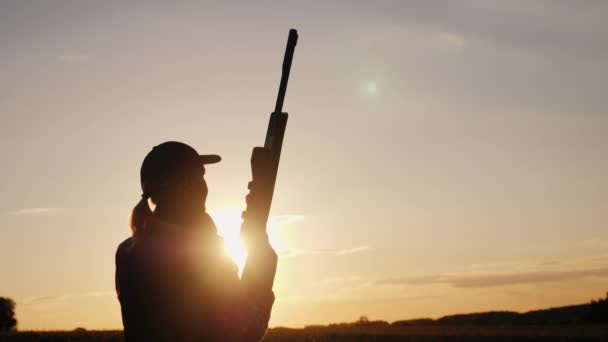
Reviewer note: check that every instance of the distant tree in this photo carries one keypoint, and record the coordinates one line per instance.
(598, 310)
(7, 314)
(315, 326)
(414, 322)
(363, 320)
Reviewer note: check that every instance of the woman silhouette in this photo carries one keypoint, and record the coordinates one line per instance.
(174, 281)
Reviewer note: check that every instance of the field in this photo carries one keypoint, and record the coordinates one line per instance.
(412, 333)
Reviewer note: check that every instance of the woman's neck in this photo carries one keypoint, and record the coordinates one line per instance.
(178, 216)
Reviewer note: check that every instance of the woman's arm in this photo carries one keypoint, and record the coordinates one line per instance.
(257, 281)
(245, 304)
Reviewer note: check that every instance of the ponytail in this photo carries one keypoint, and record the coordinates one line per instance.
(140, 215)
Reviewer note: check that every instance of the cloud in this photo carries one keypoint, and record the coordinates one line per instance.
(489, 280)
(594, 243)
(59, 298)
(40, 299)
(286, 219)
(540, 26)
(452, 39)
(601, 258)
(331, 298)
(290, 253)
(352, 250)
(33, 211)
(340, 280)
(550, 263)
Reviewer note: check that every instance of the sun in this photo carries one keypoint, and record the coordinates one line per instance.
(228, 223)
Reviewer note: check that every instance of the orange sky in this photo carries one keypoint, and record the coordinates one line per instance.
(440, 157)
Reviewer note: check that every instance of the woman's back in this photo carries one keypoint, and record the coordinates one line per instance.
(174, 287)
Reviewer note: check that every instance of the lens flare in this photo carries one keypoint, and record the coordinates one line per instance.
(368, 88)
(372, 88)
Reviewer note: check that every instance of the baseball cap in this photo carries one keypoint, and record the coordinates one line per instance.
(170, 160)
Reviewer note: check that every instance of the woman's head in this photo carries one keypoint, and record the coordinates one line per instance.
(172, 177)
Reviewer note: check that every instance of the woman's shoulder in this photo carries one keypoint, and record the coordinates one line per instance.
(125, 247)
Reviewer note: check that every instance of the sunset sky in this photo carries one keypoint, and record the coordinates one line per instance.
(441, 156)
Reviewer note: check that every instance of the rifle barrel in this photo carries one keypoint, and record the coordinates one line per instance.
(291, 45)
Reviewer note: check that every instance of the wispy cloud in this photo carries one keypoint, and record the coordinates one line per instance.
(33, 211)
(488, 280)
(550, 263)
(290, 253)
(66, 296)
(285, 219)
(452, 39)
(340, 280)
(39, 299)
(594, 243)
(352, 250)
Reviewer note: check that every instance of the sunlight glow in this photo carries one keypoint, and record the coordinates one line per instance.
(228, 222)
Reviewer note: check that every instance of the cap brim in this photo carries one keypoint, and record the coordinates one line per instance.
(210, 158)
